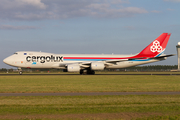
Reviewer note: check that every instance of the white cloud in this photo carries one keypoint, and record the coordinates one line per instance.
(63, 9)
(11, 27)
(119, 1)
(21, 4)
(134, 10)
(36, 3)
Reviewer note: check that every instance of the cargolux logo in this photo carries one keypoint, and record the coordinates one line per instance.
(43, 59)
(156, 47)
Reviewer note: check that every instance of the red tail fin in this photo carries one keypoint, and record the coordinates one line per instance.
(156, 48)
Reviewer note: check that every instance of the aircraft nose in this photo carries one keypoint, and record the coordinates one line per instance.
(6, 60)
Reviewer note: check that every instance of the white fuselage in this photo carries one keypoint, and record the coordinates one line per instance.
(29, 59)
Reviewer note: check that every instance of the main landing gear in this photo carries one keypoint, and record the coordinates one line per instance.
(87, 72)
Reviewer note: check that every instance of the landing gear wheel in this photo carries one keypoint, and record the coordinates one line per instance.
(91, 72)
(87, 72)
(81, 72)
(20, 72)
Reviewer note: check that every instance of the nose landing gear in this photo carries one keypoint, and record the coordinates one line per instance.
(20, 71)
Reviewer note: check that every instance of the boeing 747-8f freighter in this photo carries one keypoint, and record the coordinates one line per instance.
(89, 63)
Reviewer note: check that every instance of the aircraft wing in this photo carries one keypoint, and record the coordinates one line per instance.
(106, 62)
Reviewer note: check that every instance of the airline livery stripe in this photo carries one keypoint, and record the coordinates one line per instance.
(85, 59)
(91, 58)
(101, 60)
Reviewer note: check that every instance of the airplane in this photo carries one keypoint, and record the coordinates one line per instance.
(89, 63)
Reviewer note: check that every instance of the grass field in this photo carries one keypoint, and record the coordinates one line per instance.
(88, 83)
(90, 107)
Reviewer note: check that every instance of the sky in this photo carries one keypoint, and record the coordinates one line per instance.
(87, 26)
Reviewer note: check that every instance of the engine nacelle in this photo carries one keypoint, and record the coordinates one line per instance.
(97, 66)
(73, 68)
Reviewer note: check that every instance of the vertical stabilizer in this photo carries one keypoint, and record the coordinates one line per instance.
(156, 48)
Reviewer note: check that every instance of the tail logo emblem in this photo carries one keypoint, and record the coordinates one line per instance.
(156, 47)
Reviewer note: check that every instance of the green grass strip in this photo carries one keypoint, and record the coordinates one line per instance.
(87, 83)
(89, 104)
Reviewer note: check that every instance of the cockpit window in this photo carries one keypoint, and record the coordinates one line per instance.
(16, 53)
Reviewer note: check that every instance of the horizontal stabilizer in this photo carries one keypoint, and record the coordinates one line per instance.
(163, 56)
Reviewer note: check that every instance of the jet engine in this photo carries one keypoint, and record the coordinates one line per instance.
(97, 66)
(73, 68)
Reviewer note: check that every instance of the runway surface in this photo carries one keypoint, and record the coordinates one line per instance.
(95, 74)
(90, 94)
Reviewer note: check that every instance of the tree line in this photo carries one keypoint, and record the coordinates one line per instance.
(148, 68)
(135, 68)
